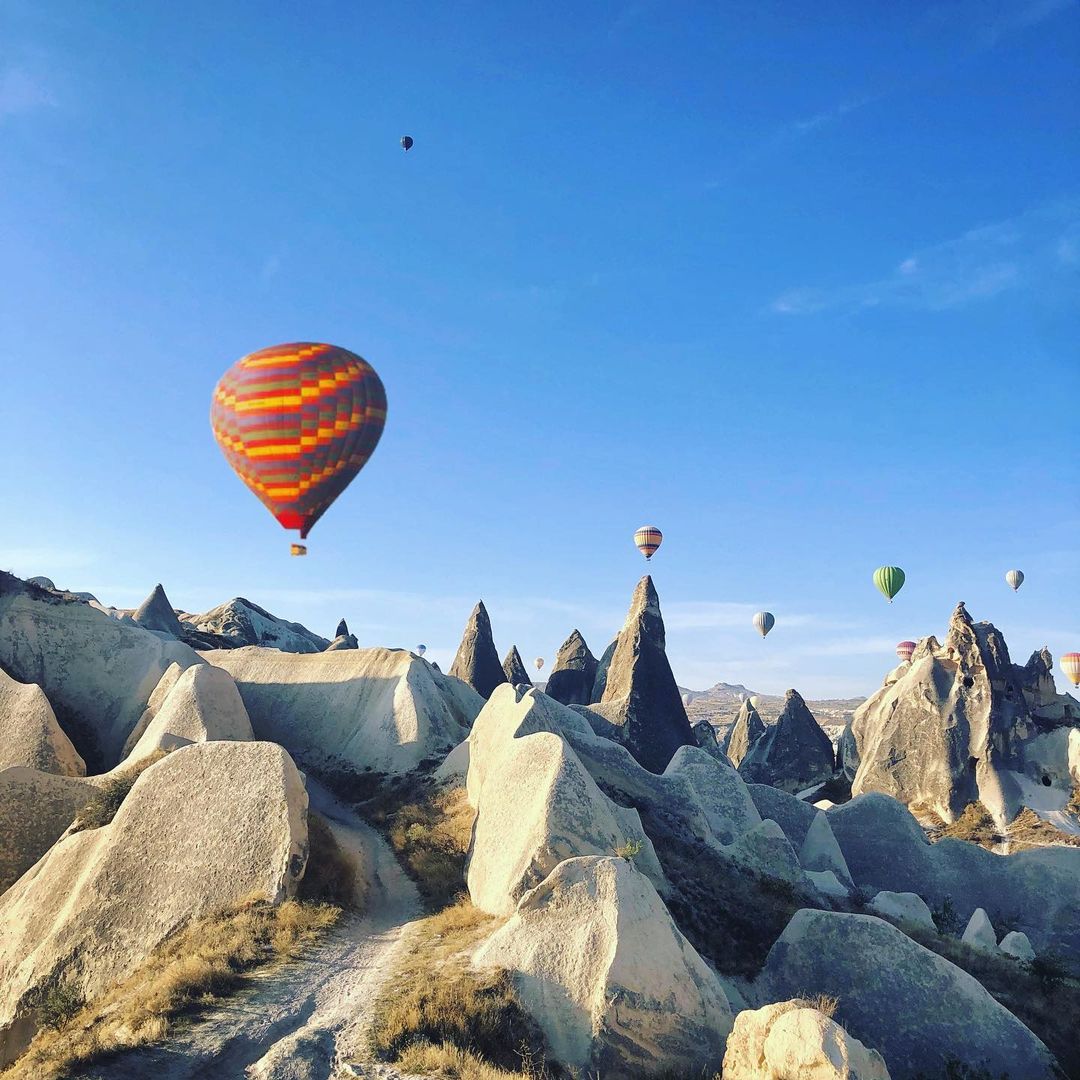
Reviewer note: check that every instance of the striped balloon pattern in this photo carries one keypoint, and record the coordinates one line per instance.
(905, 650)
(1070, 664)
(764, 621)
(890, 580)
(297, 422)
(1015, 578)
(648, 538)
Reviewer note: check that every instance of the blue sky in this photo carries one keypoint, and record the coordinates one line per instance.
(799, 288)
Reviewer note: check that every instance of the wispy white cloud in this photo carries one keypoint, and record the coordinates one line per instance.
(1019, 16)
(1019, 253)
(23, 91)
(829, 116)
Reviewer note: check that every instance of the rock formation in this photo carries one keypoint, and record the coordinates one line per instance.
(979, 932)
(239, 622)
(821, 852)
(514, 669)
(29, 733)
(792, 754)
(792, 1040)
(903, 907)
(597, 960)
(369, 709)
(343, 642)
(572, 678)
(164, 859)
(912, 1005)
(342, 629)
(156, 613)
(642, 704)
(705, 739)
(961, 724)
(600, 683)
(42, 583)
(476, 661)
(1016, 944)
(746, 731)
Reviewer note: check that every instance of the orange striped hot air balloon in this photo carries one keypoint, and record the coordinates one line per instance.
(297, 422)
(1070, 664)
(648, 538)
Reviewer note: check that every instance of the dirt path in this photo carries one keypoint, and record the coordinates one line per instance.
(305, 1020)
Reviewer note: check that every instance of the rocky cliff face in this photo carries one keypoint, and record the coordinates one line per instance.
(572, 678)
(746, 731)
(514, 669)
(961, 723)
(477, 662)
(792, 754)
(156, 613)
(239, 622)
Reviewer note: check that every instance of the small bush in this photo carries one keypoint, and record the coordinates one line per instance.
(947, 919)
(629, 850)
(103, 805)
(57, 1005)
(974, 825)
(330, 876)
(1049, 969)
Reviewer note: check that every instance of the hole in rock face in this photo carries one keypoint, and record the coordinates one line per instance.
(969, 682)
(1046, 781)
(972, 762)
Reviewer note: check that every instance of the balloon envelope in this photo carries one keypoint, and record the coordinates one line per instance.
(755, 701)
(648, 538)
(406, 143)
(539, 662)
(890, 580)
(764, 621)
(1070, 664)
(420, 650)
(297, 422)
(1015, 579)
(905, 650)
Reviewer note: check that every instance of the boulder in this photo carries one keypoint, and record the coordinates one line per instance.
(903, 907)
(97, 673)
(156, 613)
(616, 988)
(792, 754)
(202, 705)
(793, 815)
(239, 622)
(705, 739)
(767, 851)
(91, 910)
(514, 669)
(979, 933)
(791, 1040)
(29, 733)
(35, 810)
(917, 1009)
(821, 852)
(536, 804)
(574, 673)
(641, 699)
(1015, 943)
(383, 710)
(720, 790)
(746, 731)
(476, 662)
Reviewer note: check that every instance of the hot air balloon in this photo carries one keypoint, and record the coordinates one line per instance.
(539, 662)
(406, 143)
(1015, 578)
(685, 700)
(764, 622)
(648, 538)
(905, 650)
(890, 580)
(420, 650)
(755, 701)
(297, 422)
(1070, 664)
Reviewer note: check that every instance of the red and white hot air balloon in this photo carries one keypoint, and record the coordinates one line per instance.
(905, 650)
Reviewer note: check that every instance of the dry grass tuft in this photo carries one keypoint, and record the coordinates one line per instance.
(198, 964)
(104, 804)
(974, 825)
(330, 876)
(443, 1015)
(1028, 830)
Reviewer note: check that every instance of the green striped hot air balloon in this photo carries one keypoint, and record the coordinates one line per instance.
(890, 580)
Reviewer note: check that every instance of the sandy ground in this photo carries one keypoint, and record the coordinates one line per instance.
(305, 1020)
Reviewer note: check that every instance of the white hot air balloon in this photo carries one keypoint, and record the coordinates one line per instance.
(686, 699)
(764, 621)
(755, 701)
(420, 650)
(1015, 578)
(539, 662)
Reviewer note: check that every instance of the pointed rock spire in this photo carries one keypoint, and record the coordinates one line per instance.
(477, 662)
(571, 679)
(746, 730)
(156, 613)
(600, 683)
(342, 629)
(514, 669)
(792, 754)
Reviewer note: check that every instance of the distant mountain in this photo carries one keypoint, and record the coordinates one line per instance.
(720, 705)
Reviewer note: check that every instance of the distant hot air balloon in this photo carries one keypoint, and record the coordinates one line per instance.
(685, 700)
(648, 538)
(905, 650)
(297, 422)
(755, 701)
(1015, 579)
(890, 580)
(764, 621)
(539, 662)
(420, 650)
(1070, 664)
(406, 143)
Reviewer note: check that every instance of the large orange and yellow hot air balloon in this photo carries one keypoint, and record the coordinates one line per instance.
(1070, 664)
(647, 539)
(297, 422)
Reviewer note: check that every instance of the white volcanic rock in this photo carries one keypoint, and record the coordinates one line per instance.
(720, 790)
(1015, 943)
(598, 962)
(96, 672)
(792, 754)
(766, 850)
(29, 733)
(536, 803)
(343, 642)
(92, 909)
(705, 738)
(514, 668)
(476, 662)
(156, 613)
(794, 1041)
(202, 706)
(821, 852)
(979, 932)
(746, 731)
(35, 810)
(239, 622)
(902, 907)
(794, 816)
(378, 709)
(918, 1010)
